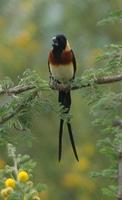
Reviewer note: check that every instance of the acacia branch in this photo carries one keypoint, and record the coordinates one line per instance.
(20, 89)
(17, 89)
(108, 79)
(10, 115)
(17, 109)
(102, 80)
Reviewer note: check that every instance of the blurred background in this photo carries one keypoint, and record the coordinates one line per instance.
(26, 29)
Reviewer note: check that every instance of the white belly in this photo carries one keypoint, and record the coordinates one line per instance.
(62, 73)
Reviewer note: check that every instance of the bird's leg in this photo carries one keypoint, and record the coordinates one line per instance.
(53, 83)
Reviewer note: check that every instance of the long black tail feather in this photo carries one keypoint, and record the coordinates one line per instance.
(65, 100)
(60, 139)
(72, 141)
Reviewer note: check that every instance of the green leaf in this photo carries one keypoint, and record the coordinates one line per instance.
(41, 187)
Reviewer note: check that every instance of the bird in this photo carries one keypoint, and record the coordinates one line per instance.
(62, 69)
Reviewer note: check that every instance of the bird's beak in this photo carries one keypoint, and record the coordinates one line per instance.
(54, 42)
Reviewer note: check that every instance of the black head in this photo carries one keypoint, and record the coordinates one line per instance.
(59, 42)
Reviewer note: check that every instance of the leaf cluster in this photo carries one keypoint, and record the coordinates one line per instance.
(106, 104)
(23, 189)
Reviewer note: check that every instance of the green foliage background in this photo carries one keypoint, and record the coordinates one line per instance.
(26, 29)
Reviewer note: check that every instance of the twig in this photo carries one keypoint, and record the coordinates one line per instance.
(108, 79)
(8, 116)
(15, 165)
(17, 89)
(20, 107)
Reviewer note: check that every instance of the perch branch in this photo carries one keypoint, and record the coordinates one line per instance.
(102, 80)
(20, 89)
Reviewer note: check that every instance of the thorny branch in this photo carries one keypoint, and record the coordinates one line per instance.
(17, 89)
(102, 80)
(19, 108)
(21, 89)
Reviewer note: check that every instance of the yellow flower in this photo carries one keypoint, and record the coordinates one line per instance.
(25, 41)
(83, 164)
(22, 40)
(89, 149)
(71, 180)
(88, 184)
(23, 176)
(6, 192)
(9, 190)
(10, 182)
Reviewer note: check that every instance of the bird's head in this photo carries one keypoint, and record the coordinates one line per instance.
(59, 42)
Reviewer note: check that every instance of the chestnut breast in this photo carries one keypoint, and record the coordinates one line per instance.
(64, 58)
(62, 69)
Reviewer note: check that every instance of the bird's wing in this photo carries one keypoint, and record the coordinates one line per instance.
(49, 68)
(74, 63)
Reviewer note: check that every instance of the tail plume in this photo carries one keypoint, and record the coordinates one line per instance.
(72, 140)
(65, 100)
(60, 139)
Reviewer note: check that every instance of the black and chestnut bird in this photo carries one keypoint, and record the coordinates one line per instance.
(62, 69)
